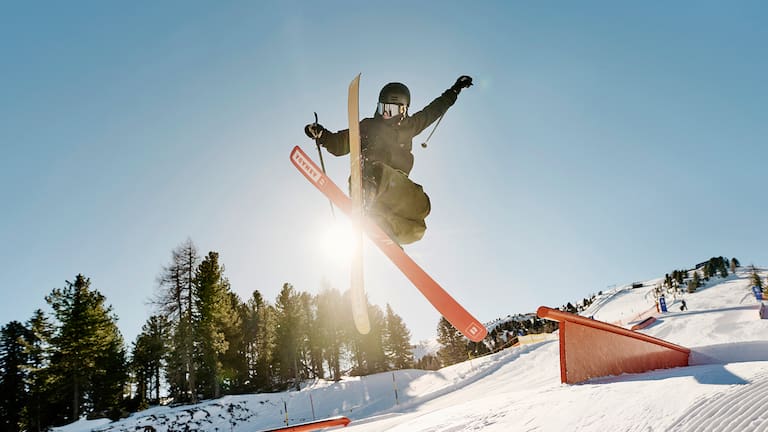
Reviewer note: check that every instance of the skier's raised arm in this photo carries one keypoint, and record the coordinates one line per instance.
(422, 119)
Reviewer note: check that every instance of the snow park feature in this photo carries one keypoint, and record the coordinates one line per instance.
(644, 323)
(592, 349)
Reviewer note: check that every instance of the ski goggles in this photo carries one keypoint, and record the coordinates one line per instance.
(390, 110)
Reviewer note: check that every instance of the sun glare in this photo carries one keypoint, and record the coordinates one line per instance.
(338, 241)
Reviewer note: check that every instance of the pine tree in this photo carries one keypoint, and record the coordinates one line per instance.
(428, 362)
(37, 415)
(694, 283)
(148, 359)
(259, 342)
(397, 341)
(330, 307)
(214, 318)
(377, 360)
(88, 358)
(668, 281)
(312, 346)
(13, 376)
(175, 301)
(722, 266)
(111, 377)
(715, 266)
(477, 349)
(454, 346)
(233, 361)
(368, 350)
(679, 276)
(286, 361)
(177, 362)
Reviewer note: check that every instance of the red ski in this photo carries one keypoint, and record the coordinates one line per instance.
(432, 291)
(314, 425)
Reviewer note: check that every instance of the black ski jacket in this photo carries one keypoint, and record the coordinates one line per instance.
(390, 140)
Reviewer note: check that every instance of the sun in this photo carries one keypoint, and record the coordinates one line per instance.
(338, 241)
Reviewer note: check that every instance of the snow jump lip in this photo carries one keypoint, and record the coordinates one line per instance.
(592, 349)
(314, 425)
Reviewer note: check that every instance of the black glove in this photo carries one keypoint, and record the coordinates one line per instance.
(463, 82)
(314, 130)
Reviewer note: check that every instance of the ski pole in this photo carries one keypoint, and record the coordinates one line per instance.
(424, 144)
(322, 165)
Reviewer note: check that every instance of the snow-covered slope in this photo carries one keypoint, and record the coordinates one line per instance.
(726, 388)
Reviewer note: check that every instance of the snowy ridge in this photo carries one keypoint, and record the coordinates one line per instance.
(724, 389)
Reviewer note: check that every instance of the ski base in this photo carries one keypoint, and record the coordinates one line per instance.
(357, 287)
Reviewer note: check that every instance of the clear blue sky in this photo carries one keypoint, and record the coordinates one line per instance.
(603, 143)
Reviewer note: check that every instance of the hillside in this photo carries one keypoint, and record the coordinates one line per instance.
(724, 389)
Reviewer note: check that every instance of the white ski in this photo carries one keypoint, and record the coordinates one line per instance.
(357, 289)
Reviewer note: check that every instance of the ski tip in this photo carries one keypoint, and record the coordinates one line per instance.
(355, 81)
(292, 157)
(475, 332)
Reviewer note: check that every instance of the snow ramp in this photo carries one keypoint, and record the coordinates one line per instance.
(591, 348)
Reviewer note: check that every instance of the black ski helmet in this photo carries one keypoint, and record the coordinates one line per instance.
(395, 93)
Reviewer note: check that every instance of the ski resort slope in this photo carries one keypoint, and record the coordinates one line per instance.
(519, 389)
(725, 389)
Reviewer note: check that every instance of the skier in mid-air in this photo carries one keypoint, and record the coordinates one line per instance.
(397, 204)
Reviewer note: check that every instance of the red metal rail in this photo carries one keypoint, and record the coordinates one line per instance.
(591, 348)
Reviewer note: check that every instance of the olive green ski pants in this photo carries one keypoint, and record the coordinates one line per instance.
(398, 205)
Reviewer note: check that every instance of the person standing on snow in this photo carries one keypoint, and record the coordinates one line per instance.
(397, 204)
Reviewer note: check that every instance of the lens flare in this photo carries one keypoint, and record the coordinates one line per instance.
(338, 241)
